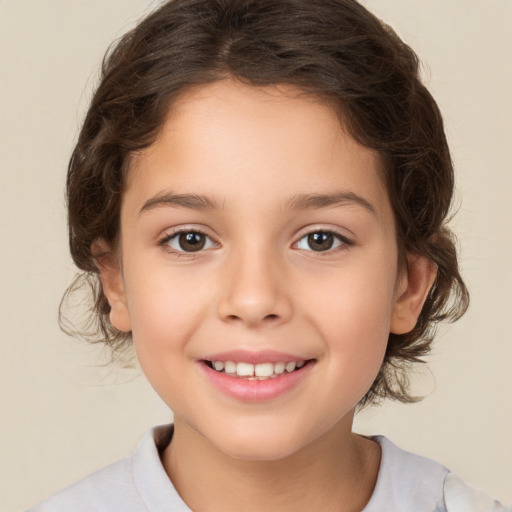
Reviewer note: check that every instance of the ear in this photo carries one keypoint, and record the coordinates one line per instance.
(412, 291)
(113, 284)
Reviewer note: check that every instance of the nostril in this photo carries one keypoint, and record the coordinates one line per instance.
(272, 318)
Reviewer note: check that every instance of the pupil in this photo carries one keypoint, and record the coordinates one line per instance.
(191, 242)
(320, 241)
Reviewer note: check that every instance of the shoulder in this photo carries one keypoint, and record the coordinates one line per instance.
(462, 497)
(137, 483)
(110, 488)
(408, 482)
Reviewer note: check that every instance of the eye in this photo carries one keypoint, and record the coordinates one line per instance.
(188, 241)
(321, 241)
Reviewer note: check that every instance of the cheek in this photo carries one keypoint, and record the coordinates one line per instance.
(353, 315)
(357, 349)
(359, 336)
(161, 317)
(356, 302)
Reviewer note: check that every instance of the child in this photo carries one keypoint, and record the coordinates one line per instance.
(260, 190)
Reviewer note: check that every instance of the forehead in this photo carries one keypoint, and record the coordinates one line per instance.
(245, 143)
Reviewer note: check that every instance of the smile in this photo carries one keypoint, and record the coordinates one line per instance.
(260, 371)
(263, 379)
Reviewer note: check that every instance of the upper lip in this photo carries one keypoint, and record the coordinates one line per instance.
(254, 357)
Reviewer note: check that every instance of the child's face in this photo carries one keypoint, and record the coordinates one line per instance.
(291, 256)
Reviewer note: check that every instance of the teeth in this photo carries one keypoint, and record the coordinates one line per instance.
(230, 367)
(259, 371)
(245, 369)
(279, 368)
(290, 366)
(264, 370)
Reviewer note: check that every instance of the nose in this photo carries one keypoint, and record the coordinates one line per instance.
(255, 291)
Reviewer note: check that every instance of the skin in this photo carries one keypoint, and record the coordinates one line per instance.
(258, 285)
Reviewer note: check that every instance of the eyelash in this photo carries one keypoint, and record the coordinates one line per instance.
(164, 241)
(344, 242)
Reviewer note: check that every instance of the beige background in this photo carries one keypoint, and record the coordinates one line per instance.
(62, 416)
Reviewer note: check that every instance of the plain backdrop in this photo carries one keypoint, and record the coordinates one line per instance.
(63, 416)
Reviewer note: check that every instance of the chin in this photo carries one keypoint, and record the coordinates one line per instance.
(260, 442)
(264, 452)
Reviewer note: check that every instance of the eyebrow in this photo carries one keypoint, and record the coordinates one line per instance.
(192, 201)
(317, 201)
(297, 202)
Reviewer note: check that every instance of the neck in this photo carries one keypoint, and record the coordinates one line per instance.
(335, 473)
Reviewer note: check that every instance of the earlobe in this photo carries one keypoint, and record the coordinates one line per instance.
(412, 292)
(112, 282)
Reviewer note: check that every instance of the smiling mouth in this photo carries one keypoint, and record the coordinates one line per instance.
(260, 371)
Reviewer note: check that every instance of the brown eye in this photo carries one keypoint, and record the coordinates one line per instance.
(188, 241)
(191, 242)
(320, 241)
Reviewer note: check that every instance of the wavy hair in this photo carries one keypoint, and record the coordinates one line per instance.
(333, 49)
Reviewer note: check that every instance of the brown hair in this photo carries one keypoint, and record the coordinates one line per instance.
(334, 49)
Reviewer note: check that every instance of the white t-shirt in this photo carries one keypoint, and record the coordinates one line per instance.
(139, 483)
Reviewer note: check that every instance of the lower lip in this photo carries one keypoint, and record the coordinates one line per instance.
(256, 390)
